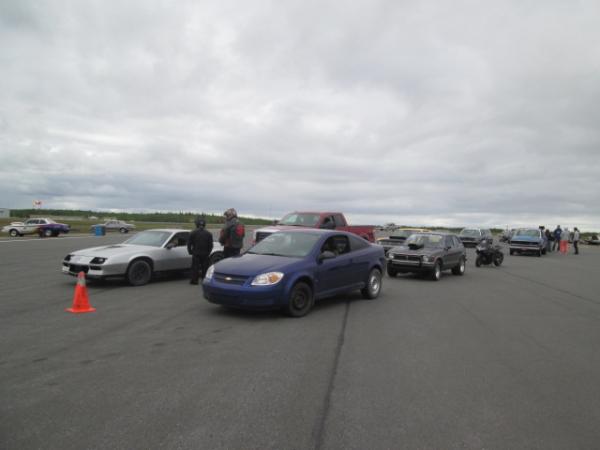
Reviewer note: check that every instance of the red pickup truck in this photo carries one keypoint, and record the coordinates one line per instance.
(326, 220)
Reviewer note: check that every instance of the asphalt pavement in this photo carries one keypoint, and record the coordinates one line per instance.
(501, 358)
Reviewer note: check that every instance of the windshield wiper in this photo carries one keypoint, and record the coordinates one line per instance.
(270, 254)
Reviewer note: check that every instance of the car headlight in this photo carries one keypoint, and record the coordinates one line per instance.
(209, 273)
(267, 279)
(426, 258)
(98, 260)
(390, 255)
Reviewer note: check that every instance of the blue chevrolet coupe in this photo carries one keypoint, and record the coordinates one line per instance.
(291, 269)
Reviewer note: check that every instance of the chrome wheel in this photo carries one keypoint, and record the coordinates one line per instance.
(373, 287)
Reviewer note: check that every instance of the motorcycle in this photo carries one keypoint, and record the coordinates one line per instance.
(487, 253)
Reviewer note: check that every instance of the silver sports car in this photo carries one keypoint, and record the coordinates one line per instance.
(137, 258)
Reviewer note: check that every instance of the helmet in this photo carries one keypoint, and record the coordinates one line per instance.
(230, 213)
(200, 222)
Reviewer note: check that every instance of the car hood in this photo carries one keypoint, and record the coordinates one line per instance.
(406, 250)
(111, 250)
(250, 264)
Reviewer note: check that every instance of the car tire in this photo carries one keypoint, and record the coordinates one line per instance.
(123, 230)
(391, 271)
(511, 252)
(498, 259)
(216, 257)
(478, 261)
(544, 251)
(139, 272)
(373, 288)
(459, 269)
(300, 301)
(539, 253)
(436, 273)
(13, 233)
(48, 232)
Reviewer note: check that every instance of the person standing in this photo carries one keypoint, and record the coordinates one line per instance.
(564, 241)
(200, 245)
(549, 239)
(557, 234)
(232, 234)
(576, 240)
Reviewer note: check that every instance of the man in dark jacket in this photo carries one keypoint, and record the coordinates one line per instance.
(200, 245)
(232, 234)
(557, 236)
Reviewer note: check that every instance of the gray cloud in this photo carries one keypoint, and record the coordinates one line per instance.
(422, 113)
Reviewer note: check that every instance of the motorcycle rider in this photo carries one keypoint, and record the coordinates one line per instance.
(232, 234)
(200, 245)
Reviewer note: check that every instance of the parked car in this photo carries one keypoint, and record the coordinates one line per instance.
(428, 253)
(528, 240)
(593, 240)
(398, 238)
(43, 226)
(291, 269)
(115, 225)
(324, 220)
(138, 258)
(471, 237)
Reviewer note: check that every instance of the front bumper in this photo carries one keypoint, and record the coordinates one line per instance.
(410, 265)
(525, 248)
(96, 271)
(244, 297)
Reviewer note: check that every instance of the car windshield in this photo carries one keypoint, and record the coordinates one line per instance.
(402, 233)
(151, 238)
(300, 220)
(426, 240)
(530, 232)
(470, 233)
(295, 245)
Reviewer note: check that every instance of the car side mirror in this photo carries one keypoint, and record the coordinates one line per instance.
(326, 255)
(170, 245)
(447, 247)
(329, 225)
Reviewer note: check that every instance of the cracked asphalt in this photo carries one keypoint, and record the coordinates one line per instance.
(501, 358)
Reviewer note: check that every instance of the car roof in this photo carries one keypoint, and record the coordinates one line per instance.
(319, 231)
(442, 233)
(169, 230)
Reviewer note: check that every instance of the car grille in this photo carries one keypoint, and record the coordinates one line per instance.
(411, 258)
(261, 235)
(77, 268)
(525, 243)
(230, 279)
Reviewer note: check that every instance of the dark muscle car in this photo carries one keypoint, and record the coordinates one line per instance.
(428, 253)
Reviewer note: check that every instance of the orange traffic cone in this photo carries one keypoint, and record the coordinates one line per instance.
(81, 302)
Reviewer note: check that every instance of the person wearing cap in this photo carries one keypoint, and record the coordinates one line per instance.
(232, 234)
(200, 246)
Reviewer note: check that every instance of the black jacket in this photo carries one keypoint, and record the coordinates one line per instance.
(200, 242)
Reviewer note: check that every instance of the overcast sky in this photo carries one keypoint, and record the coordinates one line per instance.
(414, 112)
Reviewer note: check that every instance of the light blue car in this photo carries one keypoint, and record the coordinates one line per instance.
(528, 240)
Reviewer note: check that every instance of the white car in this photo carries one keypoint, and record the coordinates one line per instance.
(30, 226)
(138, 258)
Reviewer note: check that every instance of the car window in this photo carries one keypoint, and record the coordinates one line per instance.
(357, 243)
(180, 239)
(339, 221)
(449, 241)
(336, 244)
(457, 241)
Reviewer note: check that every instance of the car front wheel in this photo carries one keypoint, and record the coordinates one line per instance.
(216, 257)
(392, 272)
(123, 230)
(300, 301)
(139, 272)
(373, 288)
(436, 273)
(13, 233)
(460, 268)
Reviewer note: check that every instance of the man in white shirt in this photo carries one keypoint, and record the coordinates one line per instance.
(576, 240)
